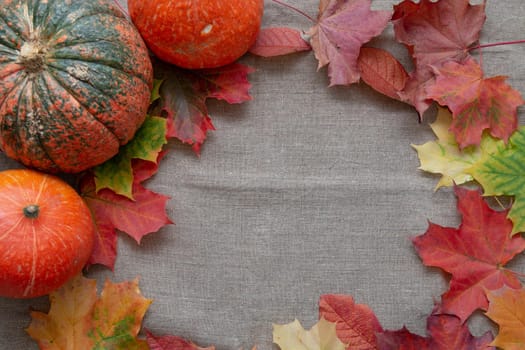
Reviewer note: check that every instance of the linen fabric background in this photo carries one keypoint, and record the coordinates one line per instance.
(303, 191)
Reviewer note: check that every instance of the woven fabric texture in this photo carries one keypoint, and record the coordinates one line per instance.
(302, 191)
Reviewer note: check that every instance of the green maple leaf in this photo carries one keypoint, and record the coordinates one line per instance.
(443, 156)
(117, 173)
(503, 173)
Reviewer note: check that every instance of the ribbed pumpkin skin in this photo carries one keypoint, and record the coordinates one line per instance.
(75, 82)
(40, 253)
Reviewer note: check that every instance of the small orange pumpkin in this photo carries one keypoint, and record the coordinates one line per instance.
(46, 233)
(198, 34)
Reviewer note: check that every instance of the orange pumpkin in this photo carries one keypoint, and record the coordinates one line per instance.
(46, 233)
(197, 34)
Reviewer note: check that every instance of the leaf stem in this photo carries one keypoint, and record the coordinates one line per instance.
(295, 9)
(119, 5)
(518, 274)
(501, 43)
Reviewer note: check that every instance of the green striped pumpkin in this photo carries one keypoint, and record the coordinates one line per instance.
(75, 81)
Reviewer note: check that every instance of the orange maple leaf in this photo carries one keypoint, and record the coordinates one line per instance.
(507, 309)
(78, 319)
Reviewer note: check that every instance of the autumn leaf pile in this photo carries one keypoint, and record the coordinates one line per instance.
(479, 151)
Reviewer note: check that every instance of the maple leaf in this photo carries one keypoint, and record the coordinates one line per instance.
(277, 41)
(343, 27)
(183, 95)
(116, 174)
(477, 103)
(170, 342)
(105, 243)
(474, 254)
(78, 319)
(507, 309)
(444, 156)
(356, 324)
(435, 32)
(401, 339)
(415, 91)
(143, 215)
(445, 332)
(449, 332)
(228, 83)
(322, 336)
(382, 71)
(503, 173)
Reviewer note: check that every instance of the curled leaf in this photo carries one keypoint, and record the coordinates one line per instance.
(116, 174)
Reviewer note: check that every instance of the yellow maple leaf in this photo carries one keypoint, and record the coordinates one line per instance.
(507, 309)
(322, 336)
(78, 319)
(444, 156)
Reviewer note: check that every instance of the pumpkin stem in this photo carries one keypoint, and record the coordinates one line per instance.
(32, 56)
(31, 211)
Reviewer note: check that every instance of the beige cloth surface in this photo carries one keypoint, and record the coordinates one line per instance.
(305, 190)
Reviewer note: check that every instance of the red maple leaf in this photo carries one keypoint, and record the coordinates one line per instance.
(170, 342)
(143, 170)
(356, 324)
(277, 41)
(139, 217)
(229, 83)
(402, 339)
(435, 32)
(105, 243)
(445, 332)
(343, 27)
(477, 103)
(474, 254)
(183, 95)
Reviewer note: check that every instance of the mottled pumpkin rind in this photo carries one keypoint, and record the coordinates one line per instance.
(38, 255)
(91, 95)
